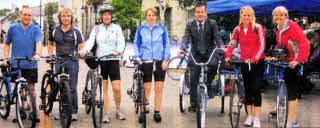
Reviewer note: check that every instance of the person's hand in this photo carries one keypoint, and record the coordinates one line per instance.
(293, 64)
(36, 57)
(226, 60)
(5, 63)
(180, 52)
(164, 65)
(138, 59)
(115, 53)
(224, 50)
(83, 54)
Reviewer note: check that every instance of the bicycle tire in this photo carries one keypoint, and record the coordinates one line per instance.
(282, 106)
(182, 94)
(65, 102)
(173, 70)
(201, 112)
(221, 84)
(46, 95)
(4, 95)
(143, 104)
(23, 120)
(86, 94)
(235, 104)
(97, 104)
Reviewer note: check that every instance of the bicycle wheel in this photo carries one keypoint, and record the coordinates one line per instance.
(86, 94)
(4, 99)
(182, 94)
(46, 91)
(65, 102)
(176, 66)
(97, 103)
(221, 84)
(201, 107)
(235, 104)
(143, 104)
(26, 110)
(282, 106)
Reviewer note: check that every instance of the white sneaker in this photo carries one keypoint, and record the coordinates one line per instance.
(256, 122)
(74, 117)
(120, 115)
(249, 120)
(295, 123)
(106, 117)
(289, 125)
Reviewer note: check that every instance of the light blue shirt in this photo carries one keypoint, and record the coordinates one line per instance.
(108, 40)
(152, 43)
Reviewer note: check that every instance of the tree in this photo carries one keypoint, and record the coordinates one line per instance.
(163, 5)
(4, 11)
(125, 14)
(49, 9)
(14, 16)
(189, 3)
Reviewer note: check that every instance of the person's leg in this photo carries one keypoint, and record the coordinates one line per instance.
(147, 78)
(194, 81)
(212, 71)
(74, 70)
(256, 85)
(247, 83)
(290, 79)
(105, 96)
(159, 77)
(31, 75)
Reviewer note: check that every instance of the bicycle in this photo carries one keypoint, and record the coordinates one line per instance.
(92, 95)
(21, 95)
(137, 91)
(202, 95)
(55, 86)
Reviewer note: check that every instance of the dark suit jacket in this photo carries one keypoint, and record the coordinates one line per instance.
(211, 35)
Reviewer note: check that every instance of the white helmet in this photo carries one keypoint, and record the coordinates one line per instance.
(105, 8)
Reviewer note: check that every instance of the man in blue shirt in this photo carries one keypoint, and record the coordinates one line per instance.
(25, 39)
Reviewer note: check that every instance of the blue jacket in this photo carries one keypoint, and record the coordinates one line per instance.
(152, 43)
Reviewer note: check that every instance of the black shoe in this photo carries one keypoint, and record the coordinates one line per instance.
(147, 111)
(37, 118)
(157, 117)
(192, 109)
(23, 116)
(141, 119)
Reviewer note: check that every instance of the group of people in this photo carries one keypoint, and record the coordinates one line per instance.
(151, 43)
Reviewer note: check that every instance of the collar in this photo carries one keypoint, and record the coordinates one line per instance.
(201, 22)
(285, 27)
(146, 25)
(71, 28)
(242, 27)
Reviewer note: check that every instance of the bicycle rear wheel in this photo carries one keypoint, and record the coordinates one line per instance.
(97, 103)
(86, 94)
(235, 104)
(4, 99)
(65, 103)
(26, 109)
(282, 106)
(46, 93)
(176, 66)
(222, 91)
(143, 104)
(201, 107)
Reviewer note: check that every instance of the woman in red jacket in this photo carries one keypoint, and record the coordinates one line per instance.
(252, 44)
(291, 37)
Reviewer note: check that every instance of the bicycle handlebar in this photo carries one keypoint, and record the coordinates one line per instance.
(197, 63)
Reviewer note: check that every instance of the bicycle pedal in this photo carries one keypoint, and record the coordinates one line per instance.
(129, 92)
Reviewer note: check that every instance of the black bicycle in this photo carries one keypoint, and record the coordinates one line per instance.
(137, 92)
(55, 86)
(21, 95)
(92, 95)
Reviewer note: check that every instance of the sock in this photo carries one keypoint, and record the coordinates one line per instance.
(156, 112)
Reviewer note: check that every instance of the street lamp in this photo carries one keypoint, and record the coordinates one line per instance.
(82, 12)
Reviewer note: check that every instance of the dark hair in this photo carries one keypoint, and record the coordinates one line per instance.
(317, 31)
(24, 7)
(200, 5)
(65, 10)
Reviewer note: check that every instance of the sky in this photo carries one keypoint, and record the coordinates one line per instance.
(19, 3)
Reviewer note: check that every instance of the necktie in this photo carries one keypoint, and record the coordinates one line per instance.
(315, 53)
(201, 43)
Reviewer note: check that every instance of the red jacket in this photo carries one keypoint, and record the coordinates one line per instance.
(252, 44)
(295, 41)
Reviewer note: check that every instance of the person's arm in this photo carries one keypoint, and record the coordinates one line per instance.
(233, 43)
(216, 34)
(90, 42)
(6, 50)
(50, 46)
(187, 35)
(120, 40)
(262, 44)
(38, 43)
(166, 43)
(137, 44)
(80, 40)
(304, 48)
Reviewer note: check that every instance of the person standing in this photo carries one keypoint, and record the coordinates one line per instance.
(68, 40)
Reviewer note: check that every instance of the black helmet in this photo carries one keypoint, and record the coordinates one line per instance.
(105, 8)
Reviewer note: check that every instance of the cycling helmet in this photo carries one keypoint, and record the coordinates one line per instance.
(105, 8)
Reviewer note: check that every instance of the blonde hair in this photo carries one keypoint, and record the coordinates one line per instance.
(250, 10)
(154, 10)
(68, 10)
(25, 7)
(281, 9)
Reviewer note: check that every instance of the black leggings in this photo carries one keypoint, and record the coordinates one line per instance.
(252, 81)
(291, 80)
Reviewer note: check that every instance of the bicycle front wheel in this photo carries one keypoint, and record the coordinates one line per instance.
(46, 93)
(282, 106)
(97, 103)
(65, 102)
(201, 107)
(87, 92)
(235, 104)
(176, 66)
(4, 99)
(143, 105)
(26, 110)
(182, 94)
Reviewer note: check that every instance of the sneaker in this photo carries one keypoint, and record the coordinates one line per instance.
(120, 115)
(157, 117)
(106, 117)
(141, 119)
(192, 109)
(37, 118)
(295, 123)
(74, 117)
(248, 121)
(256, 122)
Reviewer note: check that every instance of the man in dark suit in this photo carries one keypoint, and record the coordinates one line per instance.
(205, 37)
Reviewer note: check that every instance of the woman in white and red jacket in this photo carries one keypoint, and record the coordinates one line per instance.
(291, 37)
(252, 44)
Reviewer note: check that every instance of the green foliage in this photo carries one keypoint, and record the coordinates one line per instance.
(4, 11)
(14, 16)
(189, 3)
(95, 2)
(50, 8)
(126, 12)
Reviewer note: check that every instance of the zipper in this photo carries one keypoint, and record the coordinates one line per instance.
(151, 42)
